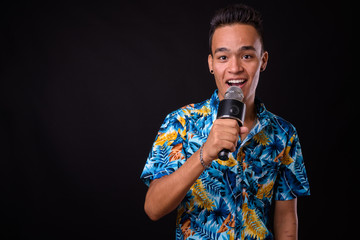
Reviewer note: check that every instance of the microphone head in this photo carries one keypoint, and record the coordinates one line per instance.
(234, 92)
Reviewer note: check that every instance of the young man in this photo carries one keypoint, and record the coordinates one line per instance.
(228, 199)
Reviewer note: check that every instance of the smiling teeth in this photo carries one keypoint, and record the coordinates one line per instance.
(236, 81)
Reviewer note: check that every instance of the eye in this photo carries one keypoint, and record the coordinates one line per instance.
(247, 56)
(222, 58)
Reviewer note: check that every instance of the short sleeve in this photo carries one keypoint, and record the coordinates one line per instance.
(167, 153)
(292, 181)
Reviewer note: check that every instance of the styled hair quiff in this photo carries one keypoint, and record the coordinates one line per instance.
(238, 13)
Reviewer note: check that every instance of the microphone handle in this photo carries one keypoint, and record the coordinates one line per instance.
(224, 154)
(233, 109)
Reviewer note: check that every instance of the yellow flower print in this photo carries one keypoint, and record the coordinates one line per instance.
(261, 138)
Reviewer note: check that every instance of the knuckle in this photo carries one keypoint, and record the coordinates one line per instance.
(234, 123)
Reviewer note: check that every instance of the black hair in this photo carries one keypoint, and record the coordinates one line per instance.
(238, 13)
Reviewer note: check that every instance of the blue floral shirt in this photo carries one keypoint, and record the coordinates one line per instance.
(231, 199)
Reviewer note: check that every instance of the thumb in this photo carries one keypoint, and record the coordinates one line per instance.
(244, 130)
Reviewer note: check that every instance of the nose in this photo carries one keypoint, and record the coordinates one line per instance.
(235, 66)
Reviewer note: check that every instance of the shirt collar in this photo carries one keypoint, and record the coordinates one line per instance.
(262, 121)
(261, 112)
(214, 102)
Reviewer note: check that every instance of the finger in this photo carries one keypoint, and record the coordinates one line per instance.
(227, 125)
(243, 130)
(230, 145)
(227, 122)
(231, 137)
(226, 140)
(230, 130)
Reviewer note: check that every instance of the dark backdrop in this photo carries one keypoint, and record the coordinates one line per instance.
(85, 88)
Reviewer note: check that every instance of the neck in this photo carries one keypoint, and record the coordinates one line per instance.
(250, 114)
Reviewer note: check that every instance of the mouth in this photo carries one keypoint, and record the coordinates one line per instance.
(236, 82)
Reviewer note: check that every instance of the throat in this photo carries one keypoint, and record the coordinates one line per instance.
(250, 125)
(250, 118)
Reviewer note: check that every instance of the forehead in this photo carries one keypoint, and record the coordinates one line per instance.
(235, 36)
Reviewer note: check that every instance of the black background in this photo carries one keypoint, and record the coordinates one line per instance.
(86, 86)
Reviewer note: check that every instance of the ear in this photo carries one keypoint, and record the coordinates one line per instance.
(264, 60)
(210, 63)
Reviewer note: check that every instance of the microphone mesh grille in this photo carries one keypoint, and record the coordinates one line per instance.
(234, 93)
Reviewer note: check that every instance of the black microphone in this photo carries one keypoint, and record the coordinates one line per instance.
(231, 107)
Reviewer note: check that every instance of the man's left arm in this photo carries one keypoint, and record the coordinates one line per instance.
(285, 220)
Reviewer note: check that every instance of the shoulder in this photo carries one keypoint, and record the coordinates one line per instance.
(274, 122)
(189, 112)
(282, 125)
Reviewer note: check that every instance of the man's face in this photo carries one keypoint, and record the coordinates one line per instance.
(237, 59)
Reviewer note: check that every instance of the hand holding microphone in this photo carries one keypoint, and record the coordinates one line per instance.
(231, 107)
(225, 132)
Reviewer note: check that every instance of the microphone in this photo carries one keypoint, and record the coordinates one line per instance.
(231, 107)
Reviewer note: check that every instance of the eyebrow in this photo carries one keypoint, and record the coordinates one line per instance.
(243, 48)
(222, 49)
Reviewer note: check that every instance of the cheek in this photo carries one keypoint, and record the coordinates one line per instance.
(254, 73)
(219, 69)
(254, 67)
(219, 84)
(254, 83)
(219, 75)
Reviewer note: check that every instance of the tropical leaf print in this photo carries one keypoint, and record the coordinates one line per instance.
(182, 133)
(166, 137)
(286, 159)
(261, 138)
(231, 234)
(231, 199)
(265, 190)
(201, 197)
(284, 156)
(175, 153)
(229, 163)
(229, 222)
(186, 230)
(212, 185)
(203, 111)
(181, 120)
(254, 227)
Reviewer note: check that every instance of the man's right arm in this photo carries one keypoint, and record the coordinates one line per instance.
(166, 193)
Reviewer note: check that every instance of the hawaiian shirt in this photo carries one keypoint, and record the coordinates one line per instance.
(231, 199)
